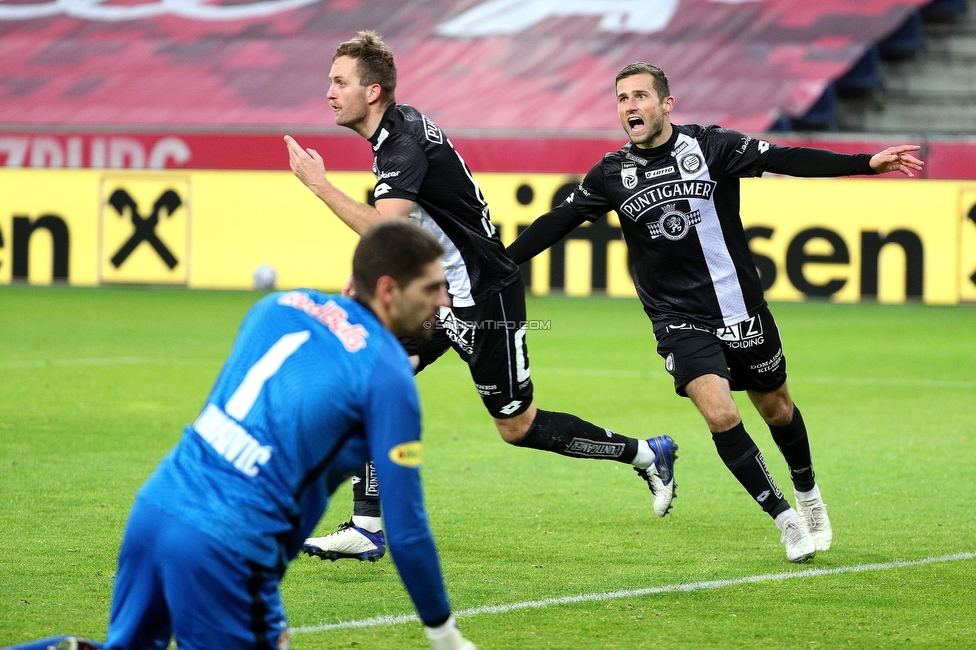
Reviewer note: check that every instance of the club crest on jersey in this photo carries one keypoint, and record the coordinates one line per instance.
(628, 175)
(691, 163)
(673, 223)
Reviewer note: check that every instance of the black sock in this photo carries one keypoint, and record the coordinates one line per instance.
(365, 493)
(795, 446)
(568, 435)
(745, 461)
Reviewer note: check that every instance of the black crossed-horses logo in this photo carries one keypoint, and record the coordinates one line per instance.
(145, 228)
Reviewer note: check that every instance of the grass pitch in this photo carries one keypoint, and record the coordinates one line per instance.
(539, 551)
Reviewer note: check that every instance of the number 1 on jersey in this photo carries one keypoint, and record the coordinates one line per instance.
(240, 403)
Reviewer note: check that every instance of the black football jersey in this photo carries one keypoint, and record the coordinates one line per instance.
(414, 160)
(678, 206)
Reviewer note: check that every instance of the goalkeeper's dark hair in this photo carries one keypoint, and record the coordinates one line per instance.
(374, 62)
(659, 79)
(394, 247)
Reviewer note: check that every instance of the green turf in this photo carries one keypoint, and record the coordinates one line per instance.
(96, 385)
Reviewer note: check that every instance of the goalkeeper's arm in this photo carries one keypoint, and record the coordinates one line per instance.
(392, 423)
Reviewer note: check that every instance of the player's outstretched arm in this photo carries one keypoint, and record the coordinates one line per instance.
(545, 231)
(309, 167)
(897, 159)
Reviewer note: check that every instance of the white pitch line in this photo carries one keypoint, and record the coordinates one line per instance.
(632, 593)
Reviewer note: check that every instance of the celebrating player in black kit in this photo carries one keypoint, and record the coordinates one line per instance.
(676, 191)
(419, 175)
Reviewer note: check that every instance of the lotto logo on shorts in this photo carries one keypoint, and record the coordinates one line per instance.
(510, 408)
(746, 334)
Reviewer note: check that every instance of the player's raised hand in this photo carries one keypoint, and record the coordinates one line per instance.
(306, 164)
(897, 159)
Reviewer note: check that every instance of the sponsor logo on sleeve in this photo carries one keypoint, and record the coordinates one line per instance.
(763, 146)
(743, 145)
(433, 133)
(407, 454)
(381, 189)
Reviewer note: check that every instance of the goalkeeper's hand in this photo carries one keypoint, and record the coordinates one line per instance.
(448, 636)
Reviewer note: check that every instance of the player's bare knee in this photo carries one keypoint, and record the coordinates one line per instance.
(724, 420)
(775, 408)
(511, 431)
(778, 413)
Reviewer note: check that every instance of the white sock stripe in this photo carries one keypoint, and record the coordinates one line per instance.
(631, 593)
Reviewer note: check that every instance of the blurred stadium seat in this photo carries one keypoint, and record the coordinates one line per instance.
(481, 69)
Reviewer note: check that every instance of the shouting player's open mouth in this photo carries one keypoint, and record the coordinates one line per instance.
(636, 124)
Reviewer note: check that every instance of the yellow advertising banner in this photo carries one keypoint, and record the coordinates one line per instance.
(144, 229)
(854, 239)
(967, 244)
(208, 229)
(838, 239)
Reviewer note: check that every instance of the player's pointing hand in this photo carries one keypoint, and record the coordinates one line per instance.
(306, 164)
(897, 159)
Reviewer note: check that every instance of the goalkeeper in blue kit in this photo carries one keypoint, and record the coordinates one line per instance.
(314, 387)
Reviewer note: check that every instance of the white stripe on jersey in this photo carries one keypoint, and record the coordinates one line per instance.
(458, 280)
(725, 280)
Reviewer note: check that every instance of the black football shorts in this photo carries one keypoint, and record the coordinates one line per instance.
(490, 338)
(749, 353)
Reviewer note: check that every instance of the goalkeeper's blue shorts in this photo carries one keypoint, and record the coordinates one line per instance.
(175, 581)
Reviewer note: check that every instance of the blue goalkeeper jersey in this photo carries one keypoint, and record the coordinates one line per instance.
(314, 387)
